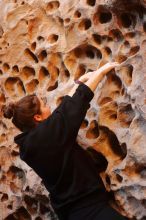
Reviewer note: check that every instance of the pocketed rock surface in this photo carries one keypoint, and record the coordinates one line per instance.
(44, 47)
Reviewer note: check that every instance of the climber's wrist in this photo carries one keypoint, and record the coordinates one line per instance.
(78, 81)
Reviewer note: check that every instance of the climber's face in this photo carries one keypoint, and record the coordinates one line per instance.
(45, 109)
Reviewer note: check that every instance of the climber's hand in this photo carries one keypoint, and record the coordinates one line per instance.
(106, 68)
(86, 76)
(101, 71)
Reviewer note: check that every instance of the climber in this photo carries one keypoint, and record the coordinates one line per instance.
(48, 145)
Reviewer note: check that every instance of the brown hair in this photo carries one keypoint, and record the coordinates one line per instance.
(23, 111)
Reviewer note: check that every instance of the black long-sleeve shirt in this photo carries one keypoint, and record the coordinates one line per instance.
(66, 169)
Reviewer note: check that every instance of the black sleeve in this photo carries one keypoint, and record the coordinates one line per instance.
(73, 109)
(53, 133)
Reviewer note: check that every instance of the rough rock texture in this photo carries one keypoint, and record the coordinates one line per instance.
(44, 46)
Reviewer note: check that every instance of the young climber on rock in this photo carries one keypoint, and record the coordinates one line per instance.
(48, 145)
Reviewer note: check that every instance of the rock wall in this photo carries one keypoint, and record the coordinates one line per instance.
(44, 46)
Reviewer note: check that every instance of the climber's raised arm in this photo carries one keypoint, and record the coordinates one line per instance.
(75, 105)
(92, 79)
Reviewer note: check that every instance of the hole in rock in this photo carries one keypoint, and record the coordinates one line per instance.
(53, 38)
(119, 178)
(15, 69)
(120, 58)
(27, 72)
(141, 169)
(43, 209)
(27, 189)
(113, 141)
(108, 112)
(134, 50)
(52, 6)
(125, 114)
(10, 207)
(124, 149)
(10, 85)
(31, 55)
(126, 72)
(14, 153)
(40, 38)
(6, 67)
(16, 172)
(50, 88)
(22, 213)
(77, 14)
(113, 116)
(78, 52)
(108, 50)
(84, 124)
(97, 38)
(104, 14)
(32, 85)
(85, 24)
(43, 73)
(90, 53)
(67, 20)
(91, 2)
(93, 131)
(38, 218)
(114, 79)
(126, 44)
(126, 20)
(32, 203)
(42, 198)
(81, 69)
(116, 34)
(105, 100)
(98, 54)
(42, 55)
(130, 35)
(4, 197)
(59, 100)
(67, 73)
(60, 20)
(33, 46)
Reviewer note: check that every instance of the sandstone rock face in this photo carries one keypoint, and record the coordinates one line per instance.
(44, 46)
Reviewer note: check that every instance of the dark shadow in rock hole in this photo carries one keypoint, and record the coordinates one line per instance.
(17, 171)
(28, 52)
(20, 213)
(125, 6)
(104, 14)
(119, 177)
(116, 34)
(114, 144)
(93, 131)
(141, 170)
(127, 20)
(91, 2)
(113, 78)
(50, 88)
